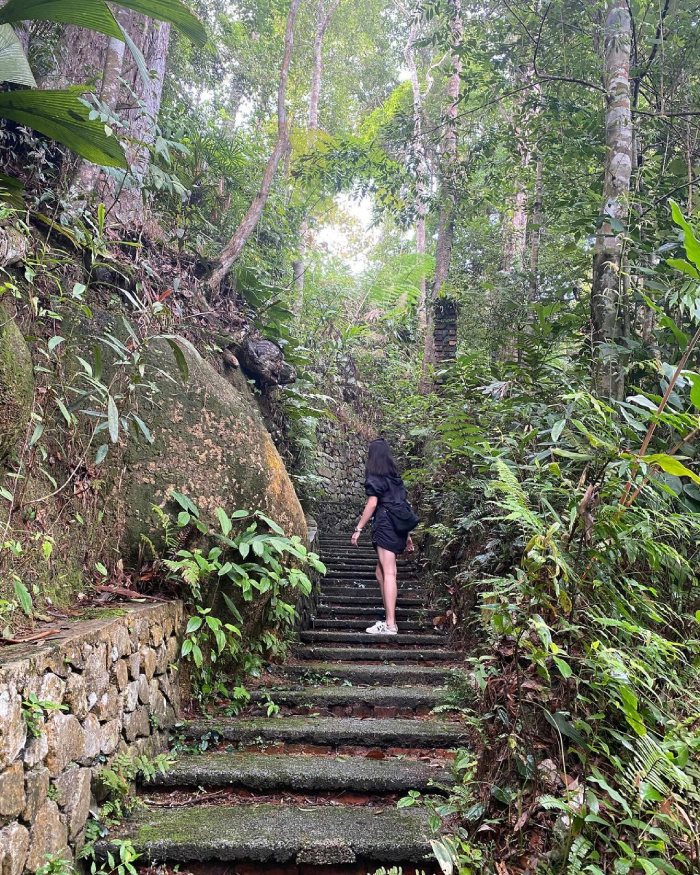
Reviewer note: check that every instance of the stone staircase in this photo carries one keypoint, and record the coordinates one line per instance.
(314, 788)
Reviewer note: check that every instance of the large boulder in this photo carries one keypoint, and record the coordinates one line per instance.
(209, 443)
(16, 385)
(265, 362)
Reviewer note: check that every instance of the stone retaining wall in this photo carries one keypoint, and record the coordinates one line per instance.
(114, 681)
(340, 456)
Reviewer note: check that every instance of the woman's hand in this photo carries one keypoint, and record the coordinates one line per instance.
(355, 538)
(409, 545)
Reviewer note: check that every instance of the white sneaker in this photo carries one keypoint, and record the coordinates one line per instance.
(381, 628)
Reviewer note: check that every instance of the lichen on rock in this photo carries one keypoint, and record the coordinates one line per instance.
(16, 385)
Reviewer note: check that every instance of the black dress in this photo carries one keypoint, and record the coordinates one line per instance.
(389, 490)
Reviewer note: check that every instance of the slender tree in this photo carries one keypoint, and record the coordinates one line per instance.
(609, 287)
(448, 187)
(232, 250)
(323, 19)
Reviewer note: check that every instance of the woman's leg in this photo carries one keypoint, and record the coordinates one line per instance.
(387, 561)
(379, 574)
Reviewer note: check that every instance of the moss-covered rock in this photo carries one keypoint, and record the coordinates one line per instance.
(208, 442)
(16, 385)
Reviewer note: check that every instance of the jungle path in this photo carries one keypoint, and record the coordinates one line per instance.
(313, 788)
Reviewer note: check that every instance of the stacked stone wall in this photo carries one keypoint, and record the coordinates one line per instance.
(340, 460)
(112, 689)
(445, 330)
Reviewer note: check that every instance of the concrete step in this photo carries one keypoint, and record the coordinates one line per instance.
(360, 574)
(344, 564)
(331, 591)
(276, 834)
(301, 773)
(429, 639)
(346, 623)
(376, 654)
(332, 731)
(356, 673)
(404, 600)
(381, 697)
(326, 609)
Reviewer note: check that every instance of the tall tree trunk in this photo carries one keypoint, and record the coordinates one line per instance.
(87, 174)
(443, 252)
(609, 287)
(536, 233)
(232, 250)
(421, 168)
(323, 19)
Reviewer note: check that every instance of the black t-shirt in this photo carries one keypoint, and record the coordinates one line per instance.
(388, 489)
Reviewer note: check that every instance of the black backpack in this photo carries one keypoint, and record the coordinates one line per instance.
(402, 517)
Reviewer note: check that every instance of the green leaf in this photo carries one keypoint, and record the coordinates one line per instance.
(97, 354)
(14, 66)
(36, 434)
(557, 429)
(64, 411)
(144, 428)
(112, 419)
(95, 15)
(691, 243)
(23, 596)
(63, 117)
(271, 523)
(234, 610)
(173, 11)
(224, 521)
(559, 722)
(54, 342)
(180, 359)
(6, 494)
(681, 336)
(239, 514)
(670, 465)
(683, 267)
(101, 453)
(183, 518)
(563, 666)
(184, 502)
(12, 191)
(193, 624)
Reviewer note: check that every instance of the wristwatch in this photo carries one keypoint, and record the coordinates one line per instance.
(358, 528)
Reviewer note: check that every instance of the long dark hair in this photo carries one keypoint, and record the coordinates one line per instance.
(379, 460)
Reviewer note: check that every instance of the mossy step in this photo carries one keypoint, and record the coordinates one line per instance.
(346, 623)
(277, 833)
(393, 675)
(383, 697)
(430, 639)
(324, 609)
(332, 731)
(376, 654)
(303, 773)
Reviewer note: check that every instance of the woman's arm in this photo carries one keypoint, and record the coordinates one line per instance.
(364, 519)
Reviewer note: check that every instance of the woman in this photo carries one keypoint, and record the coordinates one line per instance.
(384, 486)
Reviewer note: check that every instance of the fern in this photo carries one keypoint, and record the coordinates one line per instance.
(578, 853)
(515, 501)
(651, 765)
